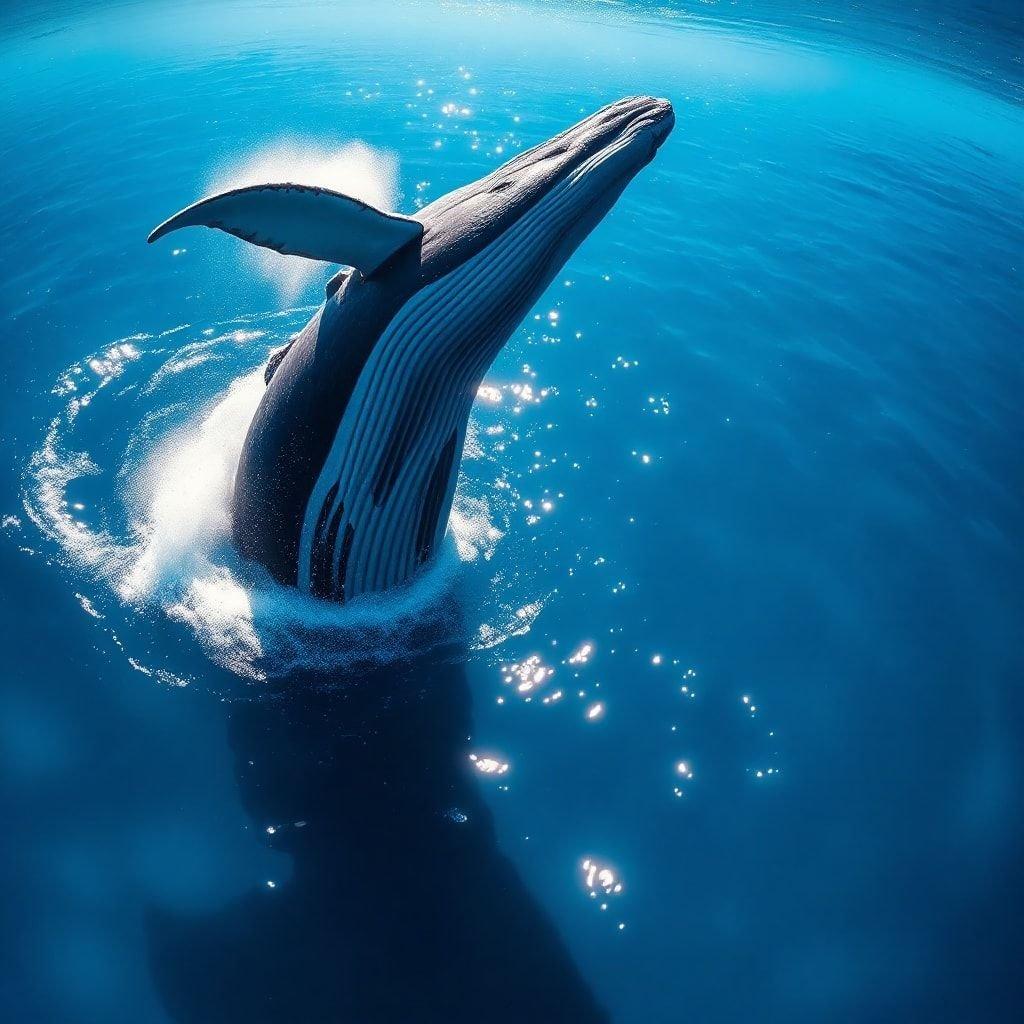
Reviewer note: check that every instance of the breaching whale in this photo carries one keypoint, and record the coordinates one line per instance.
(348, 471)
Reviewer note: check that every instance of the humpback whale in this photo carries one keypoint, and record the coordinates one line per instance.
(348, 471)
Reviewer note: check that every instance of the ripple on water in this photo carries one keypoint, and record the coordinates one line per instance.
(132, 485)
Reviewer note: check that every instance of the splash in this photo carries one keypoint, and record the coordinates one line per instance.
(154, 530)
(357, 170)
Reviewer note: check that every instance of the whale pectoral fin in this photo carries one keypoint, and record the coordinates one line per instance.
(301, 220)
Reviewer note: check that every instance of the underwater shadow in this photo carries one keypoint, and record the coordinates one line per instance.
(400, 906)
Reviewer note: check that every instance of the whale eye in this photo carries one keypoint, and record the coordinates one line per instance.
(501, 186)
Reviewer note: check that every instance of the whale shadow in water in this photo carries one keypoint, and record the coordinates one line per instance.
(400, 908)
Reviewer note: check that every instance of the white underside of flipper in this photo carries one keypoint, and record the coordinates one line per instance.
(303, 220)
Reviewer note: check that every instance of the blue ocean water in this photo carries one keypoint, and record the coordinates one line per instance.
(711, 709)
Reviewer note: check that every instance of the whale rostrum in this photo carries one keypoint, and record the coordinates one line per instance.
(348, 472)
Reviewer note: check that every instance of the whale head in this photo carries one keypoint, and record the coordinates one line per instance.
(348, 472)
(564, 186)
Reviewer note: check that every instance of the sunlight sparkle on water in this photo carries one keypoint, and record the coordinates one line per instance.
(527, 675)
(487, 765)
(581, 655)
(489, 393)
(598, 877)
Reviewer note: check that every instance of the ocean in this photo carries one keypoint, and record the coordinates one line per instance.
(710, 709)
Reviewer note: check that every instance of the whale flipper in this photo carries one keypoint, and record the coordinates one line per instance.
(302, 220)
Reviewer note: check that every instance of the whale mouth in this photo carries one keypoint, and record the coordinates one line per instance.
(651, 124)
(661, 119)
(603, 152)
(641, 122)
(653, 114)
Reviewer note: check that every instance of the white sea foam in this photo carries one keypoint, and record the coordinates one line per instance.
(173, 473)
(186, 488)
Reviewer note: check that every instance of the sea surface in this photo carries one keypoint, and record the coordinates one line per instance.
(711, 709)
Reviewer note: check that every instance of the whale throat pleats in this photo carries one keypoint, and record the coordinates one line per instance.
(323, 545)
(346, 550)
(433, 499)
(302, 220)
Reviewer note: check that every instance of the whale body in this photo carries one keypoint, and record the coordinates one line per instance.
(347, 474)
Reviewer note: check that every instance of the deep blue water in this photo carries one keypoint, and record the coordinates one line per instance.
(757, 456)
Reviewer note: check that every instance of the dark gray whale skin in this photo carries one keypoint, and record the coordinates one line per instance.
(345, 485)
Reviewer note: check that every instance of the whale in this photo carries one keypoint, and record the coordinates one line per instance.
(348, 472)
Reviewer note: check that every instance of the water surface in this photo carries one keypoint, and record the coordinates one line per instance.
(733, 586)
